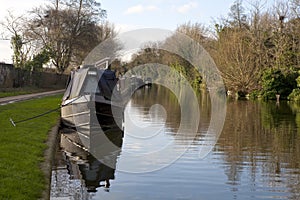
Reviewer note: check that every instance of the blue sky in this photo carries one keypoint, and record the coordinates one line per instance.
(135, 14)
(168, 14)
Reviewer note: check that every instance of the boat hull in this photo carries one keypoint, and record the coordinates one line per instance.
(92, 119)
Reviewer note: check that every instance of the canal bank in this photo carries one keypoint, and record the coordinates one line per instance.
(49, 154)
(26, 150)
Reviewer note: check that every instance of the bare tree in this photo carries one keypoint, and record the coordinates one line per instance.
(295, 8)
(235, 60)
(294, 27)
(69, 30)
(21, 44)
(198, 32)
(239, 49)
(237, 16)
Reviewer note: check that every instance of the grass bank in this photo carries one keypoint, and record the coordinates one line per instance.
(7, 92)
(22, 147)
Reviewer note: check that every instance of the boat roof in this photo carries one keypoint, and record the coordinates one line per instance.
(95, 79)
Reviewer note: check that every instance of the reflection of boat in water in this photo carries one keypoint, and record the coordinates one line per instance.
(86, 171)
(148, 81)
(136, 82)
(92, 102)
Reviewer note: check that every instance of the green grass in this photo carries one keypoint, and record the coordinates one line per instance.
(19, 91)
(22, 147)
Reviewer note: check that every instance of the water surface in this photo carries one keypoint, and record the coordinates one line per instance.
(257, 155)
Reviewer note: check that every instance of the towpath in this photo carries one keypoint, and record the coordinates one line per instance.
(13, 99)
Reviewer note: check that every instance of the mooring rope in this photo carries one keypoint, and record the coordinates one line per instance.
(30, 118)
(40, 115)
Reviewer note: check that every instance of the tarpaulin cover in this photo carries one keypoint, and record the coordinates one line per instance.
(84, 81)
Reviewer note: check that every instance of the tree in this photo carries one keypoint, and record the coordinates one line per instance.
(196, 31)
(236, 61)
(295, 8)
(237, 16)
(248, 45)
(235, 50)
(293, 26)
(63, 30)
(19, 42)
(38, 60)
(68, 30)
(274, 81)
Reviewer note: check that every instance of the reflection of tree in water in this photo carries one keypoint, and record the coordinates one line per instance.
(295, 108)
(274, 115)
(261, 138)
(146, 97)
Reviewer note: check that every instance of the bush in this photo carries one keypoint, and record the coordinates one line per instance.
(298, 80)
(270, 95)
(254, 94)
(295, 95)
(274, 81)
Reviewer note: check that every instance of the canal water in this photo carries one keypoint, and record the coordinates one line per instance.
(257, 155)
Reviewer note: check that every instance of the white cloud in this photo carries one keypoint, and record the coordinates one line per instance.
(186, 7)
(139, 9)
(151, 8)
(134, 9)
(120, 28)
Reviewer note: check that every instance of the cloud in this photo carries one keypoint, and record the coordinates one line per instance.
(151, 8)
(139, 9)
(186, 7)
(120, 28)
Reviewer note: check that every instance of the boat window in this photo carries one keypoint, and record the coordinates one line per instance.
(69, 86)
(78, 81)
(91, 85)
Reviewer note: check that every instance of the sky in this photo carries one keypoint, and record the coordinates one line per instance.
(133, 14)
(167, 14)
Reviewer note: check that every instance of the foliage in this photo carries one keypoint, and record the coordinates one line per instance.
(274, 81)
(236, 50)
(198, 32)
(153, 57)
(245, 45)
(61, 31)
(251, 41)
(38, 60)
(295, 95)
(17, 43)
(254, 94)
(68, 29)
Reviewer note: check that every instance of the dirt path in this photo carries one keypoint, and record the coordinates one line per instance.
(13, 99)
